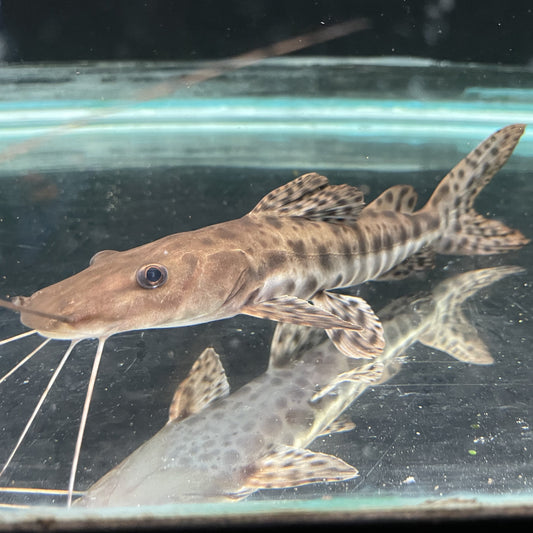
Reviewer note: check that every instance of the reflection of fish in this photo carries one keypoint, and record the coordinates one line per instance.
(256, 438)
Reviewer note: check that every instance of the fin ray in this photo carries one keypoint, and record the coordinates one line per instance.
(287, 467)
(365, 375)
(419, 262)
(340, 425)
(205, 383)
(459, 339)
(310, 196)
(297, 311)
(399, 198)
(452, 332)
(291, 341)
(477, 235)
(368, 341)
(463, 230)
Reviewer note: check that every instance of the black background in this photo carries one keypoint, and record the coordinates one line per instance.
(490, 31)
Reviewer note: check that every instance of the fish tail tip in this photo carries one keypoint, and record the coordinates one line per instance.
(463, 230)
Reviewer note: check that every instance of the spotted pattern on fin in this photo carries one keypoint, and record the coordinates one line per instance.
(291, 192)
(458, 288)
(291, 341)
(205, 383)
(463, 230)
(477, 235)
(472, 173)
(400, 198)
(297, 311)
(452, 333)
(291, 467)
(340, 425)
(310, 196)
(459, 339)
(366, 343)
(419, 262)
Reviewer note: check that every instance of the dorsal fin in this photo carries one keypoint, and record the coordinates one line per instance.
(310, 196)
(205, 383)
(400, 198)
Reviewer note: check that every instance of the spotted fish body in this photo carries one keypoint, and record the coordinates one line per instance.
(280, 261)
(218, 447)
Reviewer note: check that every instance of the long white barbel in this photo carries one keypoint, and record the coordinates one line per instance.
(39, 404)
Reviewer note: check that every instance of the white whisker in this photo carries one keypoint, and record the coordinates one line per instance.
(31, 493)
(13, 506)
(39, 404)
(31, 490)
(83, 420)
(19, 336)
(27, 358)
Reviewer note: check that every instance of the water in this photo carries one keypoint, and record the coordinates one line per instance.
(133, 171)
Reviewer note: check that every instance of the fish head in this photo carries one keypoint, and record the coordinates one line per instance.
(152, 286)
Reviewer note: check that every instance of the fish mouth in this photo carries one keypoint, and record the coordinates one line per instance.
(47, 324)
(19, 305)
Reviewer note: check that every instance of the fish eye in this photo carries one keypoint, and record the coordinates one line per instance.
(152, 276)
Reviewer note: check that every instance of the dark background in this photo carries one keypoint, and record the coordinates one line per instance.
(489, 31)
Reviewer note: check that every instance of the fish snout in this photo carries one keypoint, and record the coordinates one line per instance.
(49, 320)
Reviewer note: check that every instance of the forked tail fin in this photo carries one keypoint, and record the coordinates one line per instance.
(451, 331)
(466, 232)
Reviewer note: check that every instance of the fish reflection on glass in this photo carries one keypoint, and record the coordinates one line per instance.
(218, 446)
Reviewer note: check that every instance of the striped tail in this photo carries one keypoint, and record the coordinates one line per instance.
(464, 231)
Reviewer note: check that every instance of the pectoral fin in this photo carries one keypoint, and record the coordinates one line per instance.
(367, 342)
(205, 383)
(297, 311)
(291, 467)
